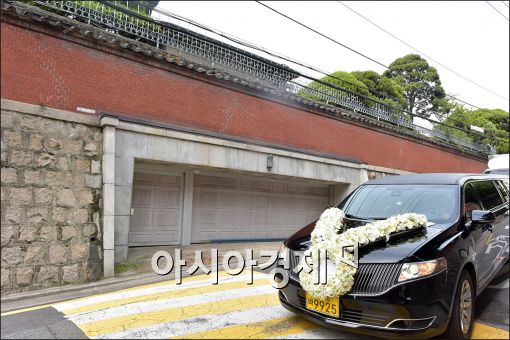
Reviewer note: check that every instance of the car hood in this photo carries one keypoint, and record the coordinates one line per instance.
(398, 248)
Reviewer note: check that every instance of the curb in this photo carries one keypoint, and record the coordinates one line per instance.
(30, 299)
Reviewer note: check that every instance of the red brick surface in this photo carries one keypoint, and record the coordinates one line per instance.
(46, 70)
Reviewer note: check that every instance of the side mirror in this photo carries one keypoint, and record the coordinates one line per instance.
(483, 217)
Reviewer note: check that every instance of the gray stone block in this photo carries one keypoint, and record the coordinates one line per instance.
(130, 144)
(122, 200)
(121, 230)
(121, 252)
(124, 168)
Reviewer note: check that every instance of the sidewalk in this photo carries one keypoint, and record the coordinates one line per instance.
(135, 272)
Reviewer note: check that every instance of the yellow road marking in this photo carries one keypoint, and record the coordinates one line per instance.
(165, 295)
(481, 331)
(122, 323)
(257, 330)
(25, 310)
(150, 285)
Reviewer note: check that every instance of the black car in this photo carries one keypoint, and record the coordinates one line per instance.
(423, 282)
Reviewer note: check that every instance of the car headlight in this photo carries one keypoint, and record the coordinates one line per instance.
(415, 270)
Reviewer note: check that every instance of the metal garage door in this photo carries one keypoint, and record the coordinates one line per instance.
(227, 208)
(157, 204)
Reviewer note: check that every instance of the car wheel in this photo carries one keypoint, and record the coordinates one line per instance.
(461, 322)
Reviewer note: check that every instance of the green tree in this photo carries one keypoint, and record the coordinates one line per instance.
(495, 122)
(367, 83)
(382, 88)
(341, 79)
(420, 82)
(443, 107)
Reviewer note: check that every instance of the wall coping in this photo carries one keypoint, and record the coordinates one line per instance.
(37, 110)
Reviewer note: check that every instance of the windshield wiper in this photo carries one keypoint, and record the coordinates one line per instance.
(355, 217)
(349, 216)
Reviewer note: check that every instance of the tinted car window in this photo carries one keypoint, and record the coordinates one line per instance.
(487, 193)
(438, 202)
(471, 202)
(502, 189)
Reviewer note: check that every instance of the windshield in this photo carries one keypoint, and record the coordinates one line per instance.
(438, 202)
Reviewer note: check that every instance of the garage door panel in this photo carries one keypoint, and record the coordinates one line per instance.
(279, 187)
(142, 196)
(205, 218)
(157, 200)
(253, 208)
(142, 219)
(164, 197)
(208, 198)
(260, 218)
(292, 188)
(278, 203)
(143, 178)
(246, 184)
(165, 218)
(262, 186)
(262, 202)
(245, 218)
(245, 200)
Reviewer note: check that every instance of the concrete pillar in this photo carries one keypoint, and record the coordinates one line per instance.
(187, 207)
(124, 172)
(109, 125)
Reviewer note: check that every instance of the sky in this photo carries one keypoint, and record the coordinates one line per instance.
(469, 37)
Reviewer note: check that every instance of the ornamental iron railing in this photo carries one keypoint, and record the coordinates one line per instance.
(116, 17)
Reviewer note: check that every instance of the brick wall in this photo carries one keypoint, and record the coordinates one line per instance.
(66, 74)
(51, 188)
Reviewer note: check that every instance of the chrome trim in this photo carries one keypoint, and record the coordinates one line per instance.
(284, 296)
(450, 240)
(398, 284)
(296, 280)
(431, 317)
(350, 324)
(386, 328)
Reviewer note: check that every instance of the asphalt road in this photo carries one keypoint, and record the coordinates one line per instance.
(200, 310)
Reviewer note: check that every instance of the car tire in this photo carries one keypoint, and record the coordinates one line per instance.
(461, 322)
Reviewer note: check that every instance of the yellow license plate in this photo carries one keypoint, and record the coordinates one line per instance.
(329, 306)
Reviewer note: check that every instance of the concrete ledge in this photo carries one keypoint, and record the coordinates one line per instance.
(385, 170)
(37, 110)
(227, 142)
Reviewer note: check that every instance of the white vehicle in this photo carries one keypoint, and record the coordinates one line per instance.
(498, 164)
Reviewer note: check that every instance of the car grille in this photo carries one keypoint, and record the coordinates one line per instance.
(375, 278)
(370, 278)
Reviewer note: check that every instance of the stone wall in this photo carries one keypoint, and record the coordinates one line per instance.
(51, 191)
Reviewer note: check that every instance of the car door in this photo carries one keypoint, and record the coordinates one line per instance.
(491, 250)
(503, 229)
(479, 234)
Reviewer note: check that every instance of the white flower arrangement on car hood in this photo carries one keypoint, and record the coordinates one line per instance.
(327, 237)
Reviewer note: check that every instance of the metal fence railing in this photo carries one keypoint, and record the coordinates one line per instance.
(161, 33)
